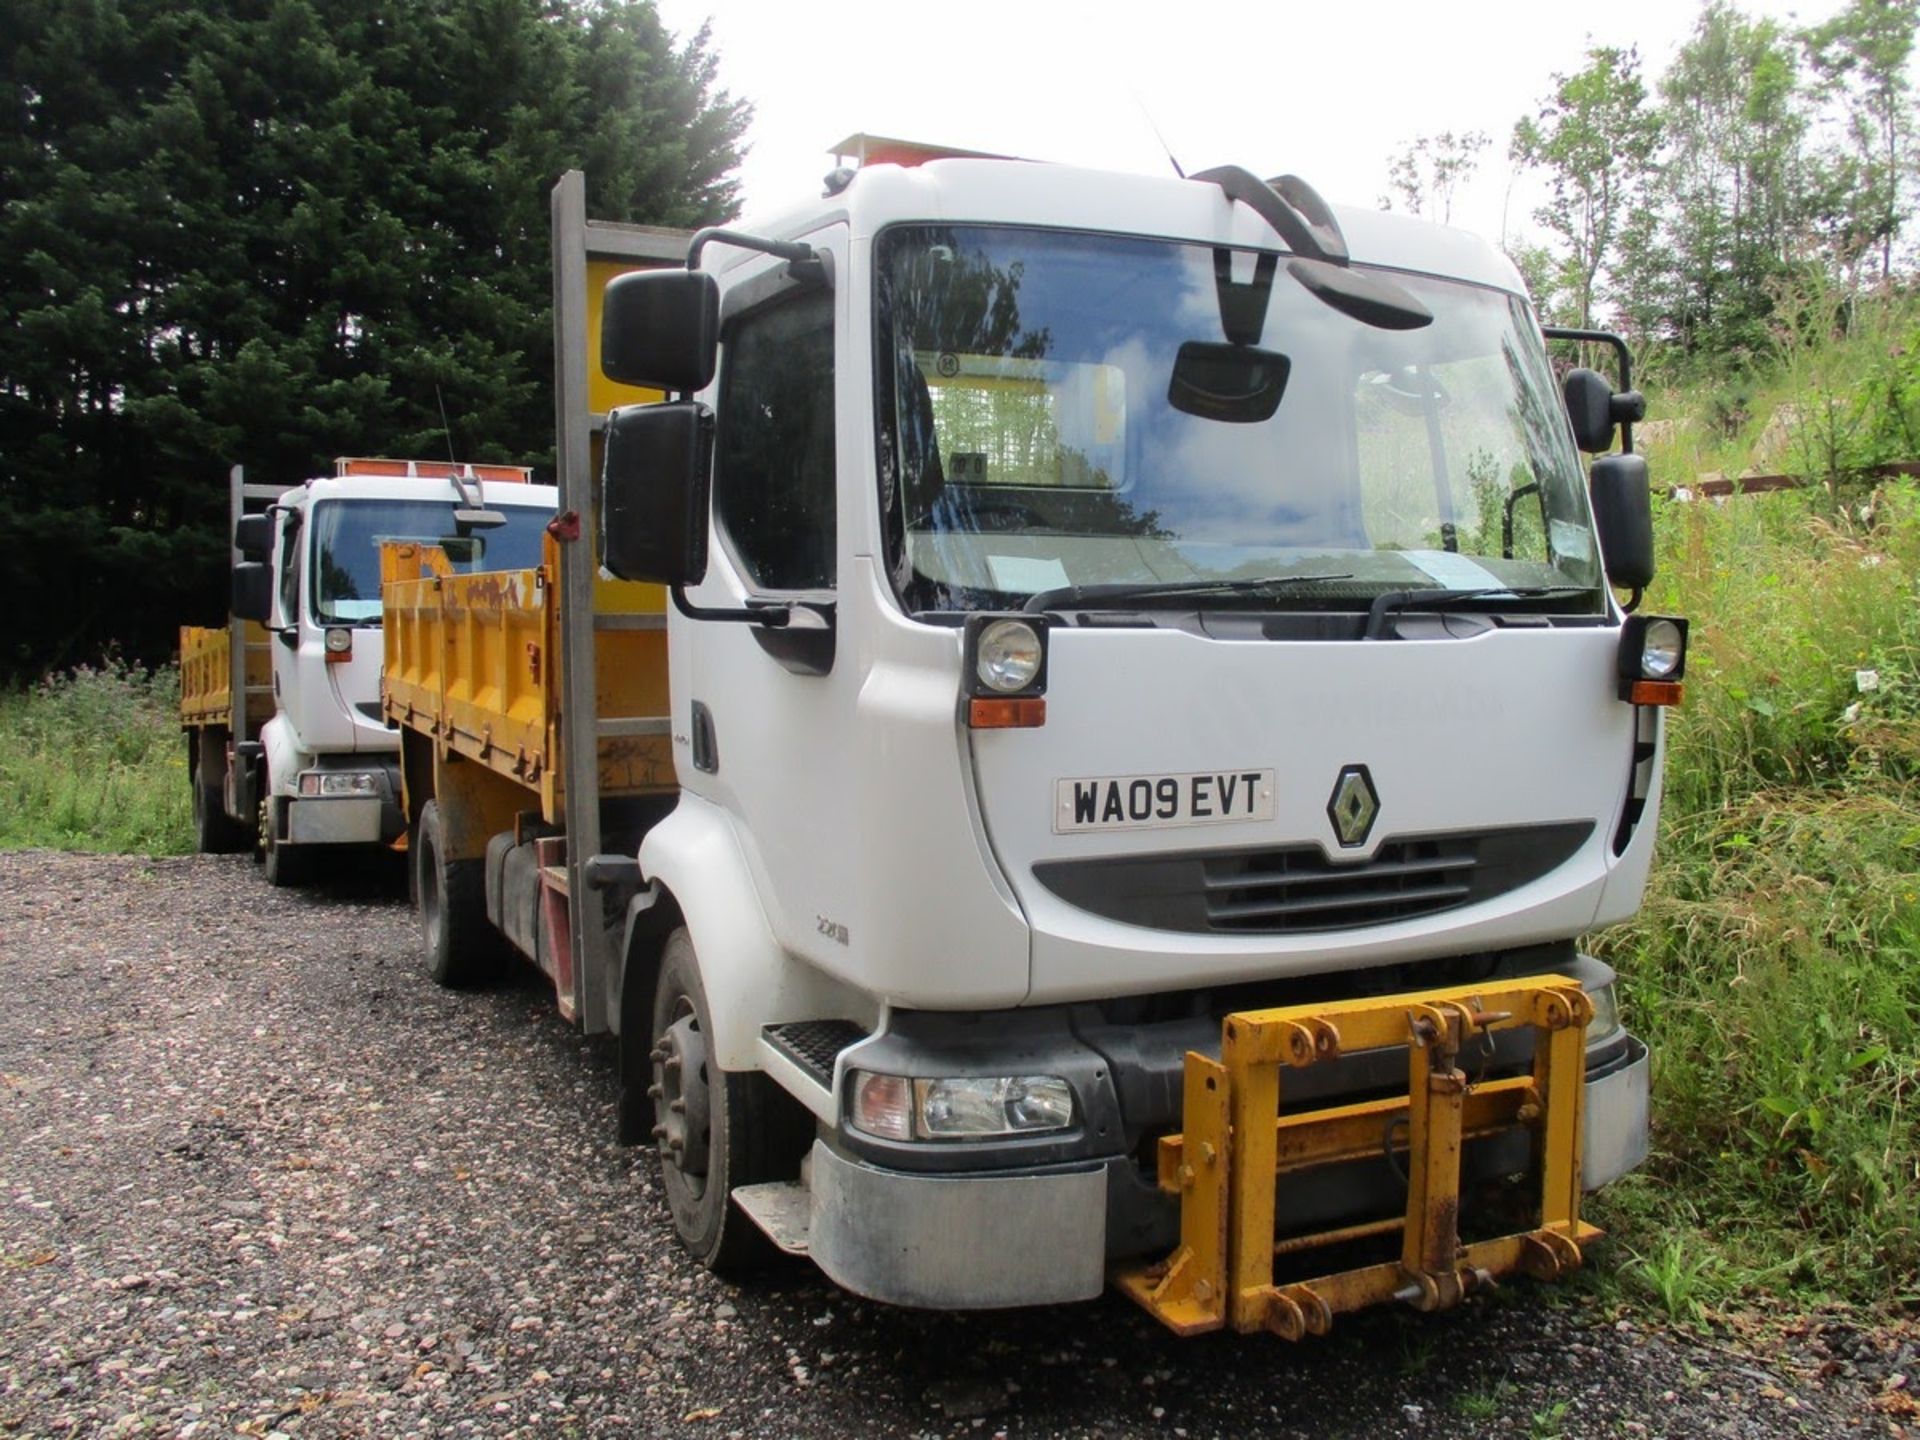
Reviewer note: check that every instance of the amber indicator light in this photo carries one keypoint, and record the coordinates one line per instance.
(1655, 692)
(1008, 713)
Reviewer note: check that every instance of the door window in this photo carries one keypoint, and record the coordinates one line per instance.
(773, 477)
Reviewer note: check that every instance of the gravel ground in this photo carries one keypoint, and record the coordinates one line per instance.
(261, 1177)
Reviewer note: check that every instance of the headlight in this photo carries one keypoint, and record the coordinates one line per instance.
(338, 782)
(1661, 648)
(339, 641)
(1606, 1013)
(1008, 657)
(893, 1107)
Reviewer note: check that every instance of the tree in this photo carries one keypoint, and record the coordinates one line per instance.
(1596, 138)
(1430, 168)
(1734, 182)
(1862, 55)
(272, 232)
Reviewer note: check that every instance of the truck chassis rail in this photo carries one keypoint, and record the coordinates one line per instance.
(1236, 1145)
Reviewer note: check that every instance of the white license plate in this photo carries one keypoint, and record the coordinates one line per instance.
(1156, 802)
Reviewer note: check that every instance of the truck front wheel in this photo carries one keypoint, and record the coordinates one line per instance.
(716, 1130)
(285, 864)
(463, 948)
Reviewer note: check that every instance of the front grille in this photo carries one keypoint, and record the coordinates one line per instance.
(1297, 889)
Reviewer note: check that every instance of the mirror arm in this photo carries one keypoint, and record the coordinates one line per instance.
(1604, 337)
(782, 249)
(774, 617)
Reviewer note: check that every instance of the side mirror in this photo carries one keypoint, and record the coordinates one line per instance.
(253, 591)
(1590, 407)
(661, 328)
(655, 482)
(253, 536)
(1623, 514)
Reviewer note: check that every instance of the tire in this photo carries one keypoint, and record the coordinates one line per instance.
(214, 832)
(286, 865)
(463, 949)
(716, 1130)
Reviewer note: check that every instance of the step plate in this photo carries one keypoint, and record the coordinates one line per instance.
(783, 1209)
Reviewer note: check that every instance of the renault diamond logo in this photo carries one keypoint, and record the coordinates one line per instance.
(1354, 806)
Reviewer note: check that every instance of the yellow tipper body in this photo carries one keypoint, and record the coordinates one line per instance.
(473, 661)
(206, 684)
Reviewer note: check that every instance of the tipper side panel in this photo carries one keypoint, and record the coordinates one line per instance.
(206, 686)
(472, 661)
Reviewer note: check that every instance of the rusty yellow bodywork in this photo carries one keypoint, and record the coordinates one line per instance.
(472, 661)
(206, 677)
(1236, 1146)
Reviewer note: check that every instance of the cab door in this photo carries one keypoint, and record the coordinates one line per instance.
(772, 709)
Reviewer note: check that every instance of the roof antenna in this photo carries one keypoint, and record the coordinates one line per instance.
(1158, 136)
(471, 512)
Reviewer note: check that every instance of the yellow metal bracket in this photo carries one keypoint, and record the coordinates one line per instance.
(1235, 1147)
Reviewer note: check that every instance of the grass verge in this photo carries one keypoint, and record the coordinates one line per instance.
(92, 759)
(1775, 967)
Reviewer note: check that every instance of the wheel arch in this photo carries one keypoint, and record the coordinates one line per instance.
(696, 872)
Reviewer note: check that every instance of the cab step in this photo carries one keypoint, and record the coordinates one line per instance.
(781, 1208)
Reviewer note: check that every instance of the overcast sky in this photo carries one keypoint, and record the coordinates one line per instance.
(1328, 92)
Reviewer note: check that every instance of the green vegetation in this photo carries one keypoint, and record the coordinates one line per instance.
(1775, 968)
(93, 760)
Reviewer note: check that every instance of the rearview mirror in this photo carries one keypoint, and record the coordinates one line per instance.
(253, 590)
(253, 536)
(1623, 514)
(1236, 383)
(661, 328)
(654, 488)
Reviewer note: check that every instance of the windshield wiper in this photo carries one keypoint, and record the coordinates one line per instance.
(1071, 595)
(1395, 601)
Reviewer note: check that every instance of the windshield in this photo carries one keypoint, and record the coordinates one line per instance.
(1052, 416)
(347, 535)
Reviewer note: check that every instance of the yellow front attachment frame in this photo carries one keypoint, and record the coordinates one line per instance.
(1236, 1147)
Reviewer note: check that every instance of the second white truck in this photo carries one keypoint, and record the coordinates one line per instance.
(310, 766)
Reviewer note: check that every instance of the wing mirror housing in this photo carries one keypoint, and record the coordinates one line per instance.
(1623, 514)
(253, 536)
(1596, 409)
(253, 589)
(661, 329)
(655, 482)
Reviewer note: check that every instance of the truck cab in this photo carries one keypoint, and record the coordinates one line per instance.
(328, 762)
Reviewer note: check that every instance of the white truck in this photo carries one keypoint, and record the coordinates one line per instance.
(1144, 719)
(305, 760)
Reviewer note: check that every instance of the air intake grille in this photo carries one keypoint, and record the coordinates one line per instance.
(1296, 889)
